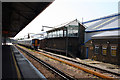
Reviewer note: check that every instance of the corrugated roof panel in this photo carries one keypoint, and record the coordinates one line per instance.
(91, 23)
(113, 24)
(106, 23)
(107, 33)
(91, 27)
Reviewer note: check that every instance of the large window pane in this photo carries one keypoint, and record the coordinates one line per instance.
(73, 31)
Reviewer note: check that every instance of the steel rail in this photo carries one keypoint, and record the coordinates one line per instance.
(82, 68)
(79, 62)
(55, 70)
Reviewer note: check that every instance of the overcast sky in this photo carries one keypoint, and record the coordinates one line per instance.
(61, 11)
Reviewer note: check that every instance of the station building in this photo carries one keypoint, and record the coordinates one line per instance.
(102, 39)
(65, 38)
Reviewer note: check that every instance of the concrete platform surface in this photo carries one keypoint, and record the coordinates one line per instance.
(27, 69)
(16, 66)
(8, 66)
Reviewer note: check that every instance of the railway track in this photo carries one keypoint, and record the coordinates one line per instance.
(96, 71)
(90, 70)
(77, 62)
(53, 69)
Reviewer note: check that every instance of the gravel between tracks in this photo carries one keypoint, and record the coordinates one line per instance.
(94, 69)
(47, 73)
(77, 73)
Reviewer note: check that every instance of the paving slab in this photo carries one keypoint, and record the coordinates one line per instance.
(8, 66)
(27, 69)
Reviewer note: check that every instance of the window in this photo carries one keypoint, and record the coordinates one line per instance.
(96, 49)
(57, 34)
(53, 34)
(73, 31)
(47, 35)
(104, 49)
(60, 33)
(50, 35)
(113, 50)
(33, 42)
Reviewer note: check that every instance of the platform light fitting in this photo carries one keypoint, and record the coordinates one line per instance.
(46, 27)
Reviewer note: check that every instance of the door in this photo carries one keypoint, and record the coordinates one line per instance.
(36, 42)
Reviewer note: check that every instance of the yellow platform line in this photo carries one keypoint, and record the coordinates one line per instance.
(82, 68)
(17, 69)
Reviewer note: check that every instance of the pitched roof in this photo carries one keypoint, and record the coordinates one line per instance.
(110, 34)
(103, 24)
(74, 23)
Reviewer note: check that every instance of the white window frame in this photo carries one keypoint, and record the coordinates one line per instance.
(113, 49)
(105, 48)
(97, 47)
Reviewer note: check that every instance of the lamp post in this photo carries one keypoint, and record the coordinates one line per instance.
(28, 35)
(46, 27)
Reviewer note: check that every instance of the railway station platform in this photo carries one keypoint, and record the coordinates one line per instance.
(16, 66)
(8, 67)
